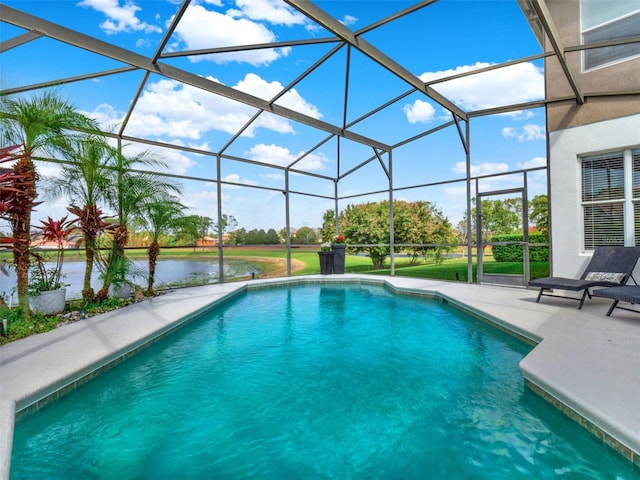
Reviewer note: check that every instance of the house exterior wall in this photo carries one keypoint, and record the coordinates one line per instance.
(565, 148)
(620, 77)
(599, 125)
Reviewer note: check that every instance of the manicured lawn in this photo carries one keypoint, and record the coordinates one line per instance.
(450, 268)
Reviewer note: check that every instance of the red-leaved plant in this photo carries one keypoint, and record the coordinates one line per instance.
(57, 231)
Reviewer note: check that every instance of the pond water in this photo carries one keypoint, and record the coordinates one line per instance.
(169, 273)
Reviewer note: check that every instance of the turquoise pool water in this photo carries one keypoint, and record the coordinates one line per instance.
(314, 382)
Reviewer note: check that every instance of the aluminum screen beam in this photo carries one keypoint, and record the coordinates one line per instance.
(77, 39)
(19, 40)
(549, 28)
(334, 26)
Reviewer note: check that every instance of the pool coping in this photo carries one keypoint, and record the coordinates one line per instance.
(594, 381)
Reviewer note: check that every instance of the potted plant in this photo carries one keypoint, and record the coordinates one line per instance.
(338, 247)
(118, 271)
(46, 290)
(326, 259)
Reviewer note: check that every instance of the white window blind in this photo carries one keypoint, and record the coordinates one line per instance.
(603, 200)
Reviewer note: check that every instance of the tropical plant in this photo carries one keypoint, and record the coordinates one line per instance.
(84, 181)
(132, 187)
(57, 231)
(45, 124)
(8, 194)
(7, 202)
(158, 218)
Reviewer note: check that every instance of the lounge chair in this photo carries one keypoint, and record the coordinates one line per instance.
(624, 293)
(609, 267)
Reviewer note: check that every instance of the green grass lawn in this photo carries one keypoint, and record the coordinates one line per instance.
(450, 269)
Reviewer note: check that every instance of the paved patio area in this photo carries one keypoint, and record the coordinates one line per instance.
(585, 363)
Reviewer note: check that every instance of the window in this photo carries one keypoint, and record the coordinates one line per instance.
(604, 20)
(611, 199)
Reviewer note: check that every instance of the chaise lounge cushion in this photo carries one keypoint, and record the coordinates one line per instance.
(605, 277)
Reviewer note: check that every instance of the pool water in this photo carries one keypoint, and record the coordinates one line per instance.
(314, 382)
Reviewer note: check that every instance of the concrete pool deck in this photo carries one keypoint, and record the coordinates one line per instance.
(585, 363)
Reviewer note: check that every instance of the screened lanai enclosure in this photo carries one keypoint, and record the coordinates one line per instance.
(275, 111)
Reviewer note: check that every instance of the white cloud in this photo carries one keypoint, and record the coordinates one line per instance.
(48, 169)
(170, 109)
(533, 163)
(532, 132)
(201, 202)
(258, 87)
(120, 18)
(485, 168)
(348, 20)
(274, 176)
(281, 156)
(176, 161)
(143, 43)
(200, 28)
(514, 84)
(520, 114)
(181, 115)
(272, 11)
(529, 132)
(106, 116)
(419, 111)
(508, 132)
(235, 178)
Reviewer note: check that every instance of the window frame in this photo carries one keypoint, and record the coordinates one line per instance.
(629, 199)
(614, 54)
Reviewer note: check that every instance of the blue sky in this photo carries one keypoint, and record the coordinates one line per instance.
(442, 39)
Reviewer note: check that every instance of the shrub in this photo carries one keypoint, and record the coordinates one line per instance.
(513, 253)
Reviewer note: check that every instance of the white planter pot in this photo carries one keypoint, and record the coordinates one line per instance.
(123, 290)
(49, 302)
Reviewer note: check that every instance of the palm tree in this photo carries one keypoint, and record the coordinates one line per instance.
(43, 124)
(131, 189)
(157, 218)
(84, 180)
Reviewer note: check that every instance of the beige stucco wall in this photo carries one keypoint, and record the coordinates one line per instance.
(621, 77)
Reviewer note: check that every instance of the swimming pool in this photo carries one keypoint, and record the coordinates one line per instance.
(314, 382)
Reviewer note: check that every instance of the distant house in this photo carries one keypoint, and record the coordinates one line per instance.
(74, 241)
(212, 241)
